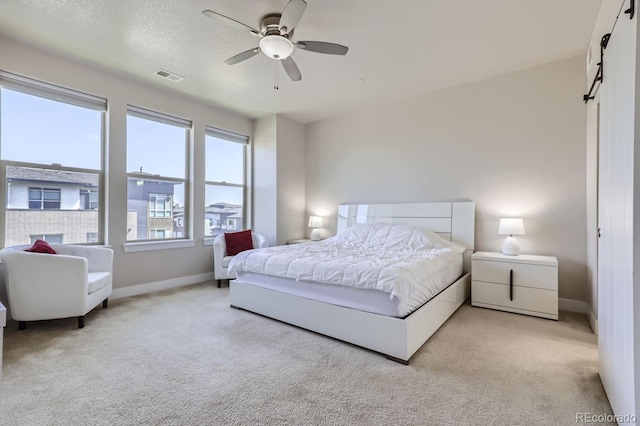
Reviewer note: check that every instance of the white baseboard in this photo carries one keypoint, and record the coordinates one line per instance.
(579, 306)
(573, 305)
(134, 290)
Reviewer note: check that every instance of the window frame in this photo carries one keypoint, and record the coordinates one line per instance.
(235, 138)
(65, 95)
(187, 125)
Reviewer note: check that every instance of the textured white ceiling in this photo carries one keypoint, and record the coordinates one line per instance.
(400, 49)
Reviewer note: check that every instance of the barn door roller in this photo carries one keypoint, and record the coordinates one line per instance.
(600, 73)
(632, 9)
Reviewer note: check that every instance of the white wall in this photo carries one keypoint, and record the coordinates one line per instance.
(291, 179)
(19, 195)
(279, 178)
(265, 178)
(514, 144)
(148, 266)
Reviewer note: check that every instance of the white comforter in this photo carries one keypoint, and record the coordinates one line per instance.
(397, 259)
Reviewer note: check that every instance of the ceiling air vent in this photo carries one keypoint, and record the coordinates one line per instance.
(169, 75)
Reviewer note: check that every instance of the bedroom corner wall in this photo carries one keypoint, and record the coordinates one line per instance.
(265, 168)
(514, 144)
(291, 179)
(279, 179)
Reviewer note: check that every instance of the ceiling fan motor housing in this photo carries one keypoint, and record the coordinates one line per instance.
(270, 24)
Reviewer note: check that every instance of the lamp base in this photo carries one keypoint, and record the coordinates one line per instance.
(315, 234)
(510, 247)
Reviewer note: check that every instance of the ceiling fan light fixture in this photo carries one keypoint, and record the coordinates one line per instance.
(276, 47)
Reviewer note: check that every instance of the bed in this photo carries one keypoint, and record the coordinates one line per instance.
(316, 285)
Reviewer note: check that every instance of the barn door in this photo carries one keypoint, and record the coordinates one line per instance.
(615, 215)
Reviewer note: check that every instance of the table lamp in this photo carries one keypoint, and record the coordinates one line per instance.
(511, 227)
(315, 222)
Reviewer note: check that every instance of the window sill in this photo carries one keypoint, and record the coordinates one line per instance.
(157, 245)
(208, 241)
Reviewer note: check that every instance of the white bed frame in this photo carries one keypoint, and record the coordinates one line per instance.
(396, 338)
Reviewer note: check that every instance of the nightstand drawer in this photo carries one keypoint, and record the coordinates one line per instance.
(533, 300)
(524, 275)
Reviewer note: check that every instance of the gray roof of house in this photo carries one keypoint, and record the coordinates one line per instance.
(224, 208)
(54, 176)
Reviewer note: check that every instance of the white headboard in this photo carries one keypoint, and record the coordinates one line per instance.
(454, 221)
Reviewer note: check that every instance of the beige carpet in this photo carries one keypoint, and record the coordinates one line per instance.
(183, 357)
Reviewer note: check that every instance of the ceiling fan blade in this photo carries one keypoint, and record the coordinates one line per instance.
(229, 21)
(292, 69)
(291, 15)
(242, 56)
(323, 47)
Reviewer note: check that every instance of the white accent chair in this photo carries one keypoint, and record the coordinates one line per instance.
(50, 286)
(221, 260)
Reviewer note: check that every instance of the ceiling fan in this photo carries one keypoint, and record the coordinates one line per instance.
(276, 34)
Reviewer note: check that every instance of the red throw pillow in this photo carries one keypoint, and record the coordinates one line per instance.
(41, 246)
(238, 241)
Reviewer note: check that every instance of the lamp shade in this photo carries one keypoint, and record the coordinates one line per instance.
(315, 222)
(511, 226)
(276, 47)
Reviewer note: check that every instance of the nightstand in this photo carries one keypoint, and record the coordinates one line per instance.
(525, 284)
(300, 241)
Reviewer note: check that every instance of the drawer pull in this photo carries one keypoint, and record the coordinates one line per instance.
(511, 285)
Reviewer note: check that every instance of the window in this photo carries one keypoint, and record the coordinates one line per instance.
(225, 181)
(159, 205)
(51, 151)
(155, 234)
(157, 157)
(50, 238)
(44, 198)
(92, 237)
(89, 200)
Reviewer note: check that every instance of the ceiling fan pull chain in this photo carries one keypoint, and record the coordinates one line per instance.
(275, 74)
